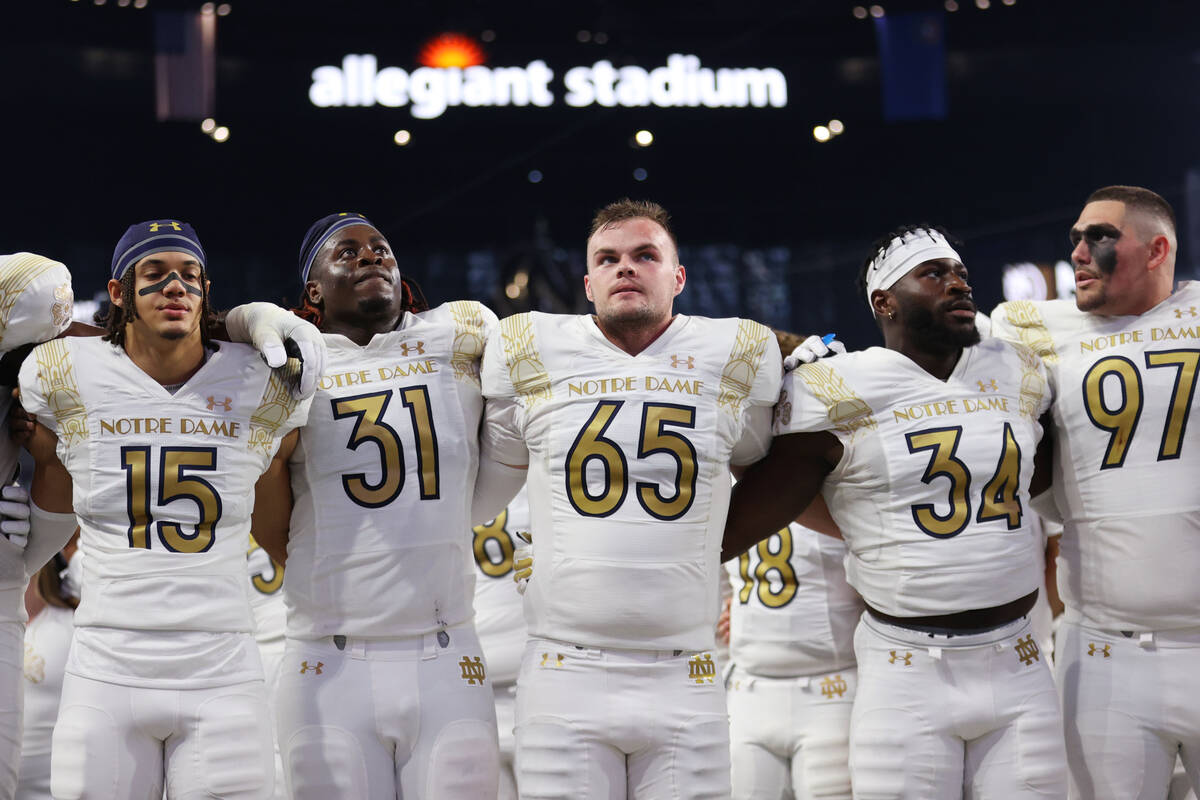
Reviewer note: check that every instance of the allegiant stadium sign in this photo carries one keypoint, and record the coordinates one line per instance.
(429, 91)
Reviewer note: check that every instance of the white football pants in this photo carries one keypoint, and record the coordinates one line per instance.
(380, 719)
(12, 712)
(116, 742)
(617, 724)
(941, 717)
(1130, 706)
(791, 733)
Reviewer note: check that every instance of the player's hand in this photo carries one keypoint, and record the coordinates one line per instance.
(14, 515)
(20, 422)
(523, 562)
(279, 335)
(811, 349)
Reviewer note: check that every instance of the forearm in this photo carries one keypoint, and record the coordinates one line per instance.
(49, 532)
(495, 485)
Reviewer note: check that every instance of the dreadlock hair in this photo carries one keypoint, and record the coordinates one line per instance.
(884, 242)
(114, 318)
(413, 300)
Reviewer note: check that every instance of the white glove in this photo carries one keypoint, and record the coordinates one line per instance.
(278, 334)
(523, 562)
(14, 515)
(811, 349)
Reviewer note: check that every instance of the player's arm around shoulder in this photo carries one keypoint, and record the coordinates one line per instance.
(270, 520)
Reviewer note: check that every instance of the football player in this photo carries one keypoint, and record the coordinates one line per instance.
(627, 421)
(501, 622)
(1123, 359)
(924, 452)
(37, 307)
(383, 691)
(50, 601)
(793, 676)
(154, 437)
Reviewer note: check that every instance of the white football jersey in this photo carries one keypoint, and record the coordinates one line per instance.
(1126, 459)
(792, 613)
(382, 480)
(266, 596)
(35, 305)
(499, 617)
(628, 460)
(932, 491)
(163, 487)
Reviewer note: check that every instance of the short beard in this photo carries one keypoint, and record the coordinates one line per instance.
(173, 335)
(1093, 302)
(375, 306)
(935, 337)
(631, 320)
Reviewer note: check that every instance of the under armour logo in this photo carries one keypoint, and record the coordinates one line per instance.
(472, 671)
(1191, 310)
(226, 404)
(418, 348)
(1104, 651)
(989, 386)
(1027, 650)
(688, 361)
(833, 687)
(558, 660)
(701, 669)
(154, 226)
(306, 667)
(906, 658)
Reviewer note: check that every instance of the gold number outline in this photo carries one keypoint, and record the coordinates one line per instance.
(925, 514)
(494, 530)
(777, 561)
(416, 400)
(137, 484)
(1093, 395)
(686, 473)
(172, 461)
(747, 579)
(260, 583)
(576, 477)
(1170, 446)
(1003, 501)
(171, 466)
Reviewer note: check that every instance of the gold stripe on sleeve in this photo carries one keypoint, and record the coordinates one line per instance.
(525, 368)
(19, 272)
(737, 378)
(468, 339)
(848, 412)
(56, 375)
(276, 405)
(1033, 383)
(1025, 317)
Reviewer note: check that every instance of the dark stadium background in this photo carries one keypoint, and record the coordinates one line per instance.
(1045, 100)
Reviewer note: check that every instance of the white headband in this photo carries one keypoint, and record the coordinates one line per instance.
(902, 255)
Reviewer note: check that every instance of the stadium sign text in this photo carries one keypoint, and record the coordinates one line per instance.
(429, 91)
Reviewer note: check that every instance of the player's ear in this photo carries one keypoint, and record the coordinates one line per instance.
(116, 295)
(587, 289)
(680, 278)
(313, 290)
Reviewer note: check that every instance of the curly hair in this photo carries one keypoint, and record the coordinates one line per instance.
(114, 318)
(884, 242)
